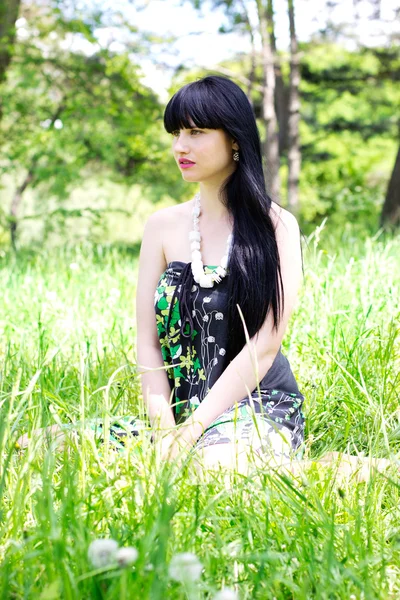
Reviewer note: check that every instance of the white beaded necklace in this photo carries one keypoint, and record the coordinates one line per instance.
(205, 280)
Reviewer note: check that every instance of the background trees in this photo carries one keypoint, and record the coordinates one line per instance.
(76, 113)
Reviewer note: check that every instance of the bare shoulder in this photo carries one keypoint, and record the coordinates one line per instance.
(284, 221)
(169, 214)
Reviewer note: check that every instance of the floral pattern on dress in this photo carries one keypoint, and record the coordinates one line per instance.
(194, 364)
(190, 362)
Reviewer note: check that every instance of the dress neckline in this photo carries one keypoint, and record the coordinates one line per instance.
(180, 262)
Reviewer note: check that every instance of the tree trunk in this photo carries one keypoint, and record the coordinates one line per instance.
(9, 10)
(252, 74)
(390, 215)
(269, 114)
(281, 97)
(294, 154)
(16, 201)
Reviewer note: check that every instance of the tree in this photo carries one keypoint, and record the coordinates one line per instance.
(237, 12)
(65, 110)
(390, 215)
(9, 10)
(271, 148)
(294, 154)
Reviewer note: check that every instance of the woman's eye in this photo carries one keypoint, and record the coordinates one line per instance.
(177, 132)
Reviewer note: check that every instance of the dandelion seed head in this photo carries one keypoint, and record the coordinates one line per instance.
(185, 567)
(102, 552)
(126, 556)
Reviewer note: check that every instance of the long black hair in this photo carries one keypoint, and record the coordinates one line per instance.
(255, 281)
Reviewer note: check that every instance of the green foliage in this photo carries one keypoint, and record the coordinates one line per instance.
(70, 115)
(66, 111)
(349, 131)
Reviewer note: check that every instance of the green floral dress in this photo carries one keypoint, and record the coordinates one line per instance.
(195, 362)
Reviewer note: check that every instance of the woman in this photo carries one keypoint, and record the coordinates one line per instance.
(229, 250)
(219, 277)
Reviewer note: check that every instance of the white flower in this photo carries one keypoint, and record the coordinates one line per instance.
(102, 552)
(207, 299)
(215, 361)
(193, 313)
(222, 351)
(185, 567)
(205, 318)
(126, 556)
(226, 594)
(219, 316)
(211, 338)
(74, 266)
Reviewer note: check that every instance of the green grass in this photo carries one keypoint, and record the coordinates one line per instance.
(68, 353)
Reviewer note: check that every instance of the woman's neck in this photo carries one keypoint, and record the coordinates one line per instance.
(212, 208)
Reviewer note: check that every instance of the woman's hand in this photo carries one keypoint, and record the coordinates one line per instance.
(173, 446)
(167, 447)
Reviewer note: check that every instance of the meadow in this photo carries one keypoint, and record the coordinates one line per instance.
(67, 354)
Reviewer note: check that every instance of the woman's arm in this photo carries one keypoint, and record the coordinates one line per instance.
(155, 388)
(239, 378)
(155, 385)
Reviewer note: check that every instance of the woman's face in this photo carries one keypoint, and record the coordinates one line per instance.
(209, 150)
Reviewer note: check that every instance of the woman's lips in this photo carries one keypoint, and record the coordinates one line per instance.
(186, 165)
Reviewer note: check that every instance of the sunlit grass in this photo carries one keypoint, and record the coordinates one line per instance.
(68, 354)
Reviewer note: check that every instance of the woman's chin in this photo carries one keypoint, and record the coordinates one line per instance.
(194, 178)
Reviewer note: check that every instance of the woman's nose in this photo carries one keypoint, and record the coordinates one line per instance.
(181, 144)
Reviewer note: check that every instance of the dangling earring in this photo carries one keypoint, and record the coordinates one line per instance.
(236, 156)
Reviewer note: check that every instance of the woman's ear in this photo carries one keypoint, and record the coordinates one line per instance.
(235, 145)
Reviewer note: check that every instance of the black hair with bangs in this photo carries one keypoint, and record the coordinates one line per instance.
(255, 281)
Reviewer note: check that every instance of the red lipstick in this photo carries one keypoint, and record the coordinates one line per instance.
(185, 163)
